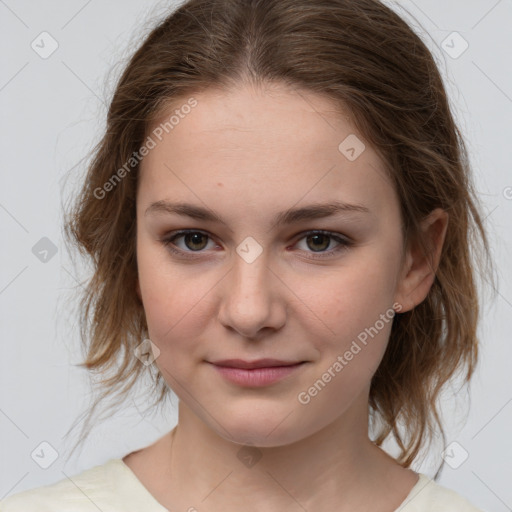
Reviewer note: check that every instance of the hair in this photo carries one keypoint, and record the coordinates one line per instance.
(363, 57)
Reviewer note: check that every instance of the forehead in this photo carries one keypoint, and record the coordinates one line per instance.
(269, 116)
(270, 142)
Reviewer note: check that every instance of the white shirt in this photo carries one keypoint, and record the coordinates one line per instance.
(114, 487)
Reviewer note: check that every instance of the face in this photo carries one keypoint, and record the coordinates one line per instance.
(265, 269)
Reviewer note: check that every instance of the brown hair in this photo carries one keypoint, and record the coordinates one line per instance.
(364, 57)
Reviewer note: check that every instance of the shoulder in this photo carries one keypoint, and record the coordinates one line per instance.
(92, 489)
(427, 495)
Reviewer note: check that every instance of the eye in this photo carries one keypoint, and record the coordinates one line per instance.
(316, 243)
(194, 241)
(320, 240)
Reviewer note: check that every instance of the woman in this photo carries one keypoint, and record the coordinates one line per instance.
(280, 216)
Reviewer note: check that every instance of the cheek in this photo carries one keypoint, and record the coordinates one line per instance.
(359, 316)
(353, 297)
(174, 299)
(354, 317)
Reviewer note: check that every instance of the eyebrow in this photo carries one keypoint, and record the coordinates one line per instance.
(291, 216)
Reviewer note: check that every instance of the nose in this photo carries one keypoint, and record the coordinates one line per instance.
(252, 298)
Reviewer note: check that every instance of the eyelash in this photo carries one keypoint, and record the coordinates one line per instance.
(344, 243)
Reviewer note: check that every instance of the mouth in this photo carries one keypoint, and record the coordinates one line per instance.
(259, 363)
(262, 372)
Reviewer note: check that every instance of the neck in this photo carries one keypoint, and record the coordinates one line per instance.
(334, 467)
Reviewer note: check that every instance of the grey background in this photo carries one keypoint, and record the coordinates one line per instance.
(53, 112)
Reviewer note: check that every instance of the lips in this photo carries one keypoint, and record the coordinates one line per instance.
(250, 365)
(256, 374)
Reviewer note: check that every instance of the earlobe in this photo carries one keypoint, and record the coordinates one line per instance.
(419, 270)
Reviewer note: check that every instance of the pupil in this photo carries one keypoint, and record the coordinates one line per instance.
(320, 236)
(194, 237)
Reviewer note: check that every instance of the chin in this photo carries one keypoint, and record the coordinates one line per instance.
(262, 430)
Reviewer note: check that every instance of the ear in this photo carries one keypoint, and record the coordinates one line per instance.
(418, 271)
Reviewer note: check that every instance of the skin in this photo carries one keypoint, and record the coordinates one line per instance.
(247, 154)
